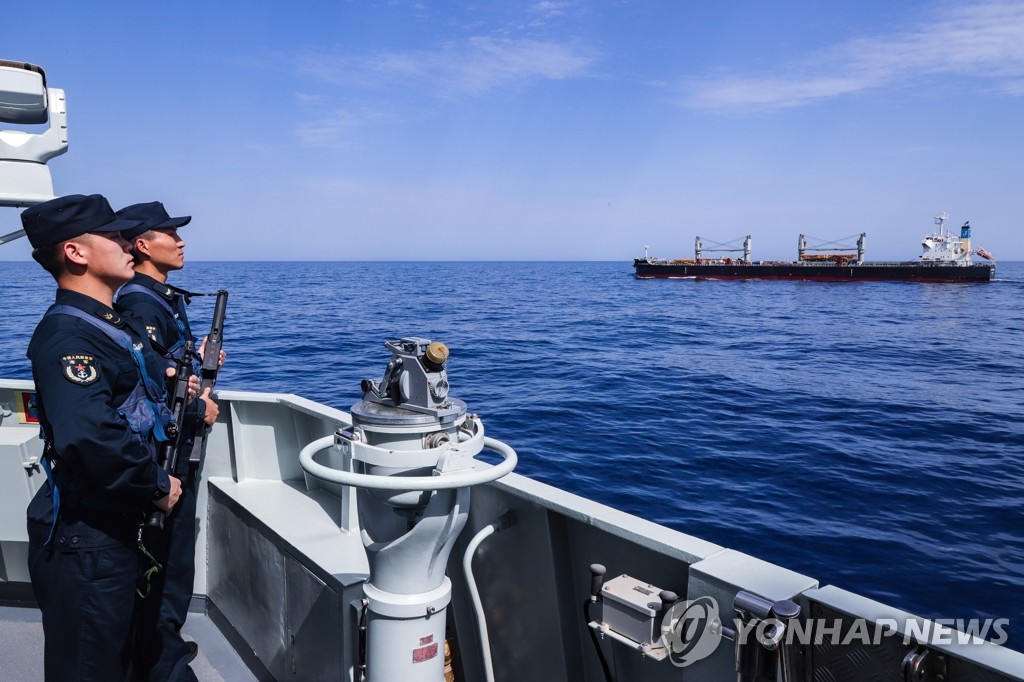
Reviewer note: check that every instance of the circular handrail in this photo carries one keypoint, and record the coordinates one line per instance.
(446, 481)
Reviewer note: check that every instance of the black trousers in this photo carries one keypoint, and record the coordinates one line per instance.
(86, 594)
(159, 653)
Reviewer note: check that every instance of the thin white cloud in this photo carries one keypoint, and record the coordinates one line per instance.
(474, 66)
(328, 131)
(550, 8)
(1015, 88)
(309, 98)
(983, 41)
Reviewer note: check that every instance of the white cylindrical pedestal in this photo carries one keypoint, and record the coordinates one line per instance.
(405, 635)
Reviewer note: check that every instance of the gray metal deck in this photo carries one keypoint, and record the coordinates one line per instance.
(280, 566)
(21, 631)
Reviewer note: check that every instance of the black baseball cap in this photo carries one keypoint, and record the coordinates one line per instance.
(63, 218)
(153, 216)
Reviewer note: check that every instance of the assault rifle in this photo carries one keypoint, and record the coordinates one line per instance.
(175, 430)
(211, 365)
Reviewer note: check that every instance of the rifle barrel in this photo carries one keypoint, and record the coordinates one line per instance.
(210, 368)
(214, 342)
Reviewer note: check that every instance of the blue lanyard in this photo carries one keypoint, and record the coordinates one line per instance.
(154, 395)
(154, 392)
(133, 288)
(56, 493)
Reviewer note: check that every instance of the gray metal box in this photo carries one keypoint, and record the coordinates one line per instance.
(630, 607)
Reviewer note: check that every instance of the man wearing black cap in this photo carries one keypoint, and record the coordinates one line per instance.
(158, 250)
(159, 652)
(100, 398)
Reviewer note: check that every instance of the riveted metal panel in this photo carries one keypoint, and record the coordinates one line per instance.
(315, 634)
(247, 582)
(878, 661)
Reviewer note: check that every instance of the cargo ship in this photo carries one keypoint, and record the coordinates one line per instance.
(946, 258)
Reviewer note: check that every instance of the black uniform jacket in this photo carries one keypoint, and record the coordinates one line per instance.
(163, 328)
(81, 377)
(160, 325)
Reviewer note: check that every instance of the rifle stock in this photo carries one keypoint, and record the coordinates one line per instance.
(175, 430)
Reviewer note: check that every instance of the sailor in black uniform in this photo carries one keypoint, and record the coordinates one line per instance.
(101, 408)
(158, 250)
(159, 652)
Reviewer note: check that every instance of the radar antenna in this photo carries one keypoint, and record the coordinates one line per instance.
(25, 100)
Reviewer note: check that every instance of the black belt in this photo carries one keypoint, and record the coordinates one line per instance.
(83, 527)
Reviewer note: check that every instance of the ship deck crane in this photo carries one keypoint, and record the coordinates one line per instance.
(831, 251)
(728, 247)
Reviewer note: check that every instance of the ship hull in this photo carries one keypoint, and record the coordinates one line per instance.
(871, 272)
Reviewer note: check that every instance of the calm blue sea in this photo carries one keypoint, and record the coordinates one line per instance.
(868, 434)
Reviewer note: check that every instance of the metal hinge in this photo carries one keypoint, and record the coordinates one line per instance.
(924, 665)
(769, 656)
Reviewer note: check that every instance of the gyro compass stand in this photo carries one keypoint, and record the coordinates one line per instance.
(410, 455)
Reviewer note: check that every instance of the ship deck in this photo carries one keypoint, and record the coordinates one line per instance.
(281, 568)
(21, 631)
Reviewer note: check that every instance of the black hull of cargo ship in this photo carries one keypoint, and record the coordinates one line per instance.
(868, 272)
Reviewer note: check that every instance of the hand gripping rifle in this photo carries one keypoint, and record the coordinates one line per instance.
(211, 365)
(175, 430)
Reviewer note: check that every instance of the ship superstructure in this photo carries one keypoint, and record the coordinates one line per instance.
(944, 247)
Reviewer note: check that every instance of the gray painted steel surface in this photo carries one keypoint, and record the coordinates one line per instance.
(281, 564)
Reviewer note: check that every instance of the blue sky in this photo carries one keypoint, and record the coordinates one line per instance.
(539, 130)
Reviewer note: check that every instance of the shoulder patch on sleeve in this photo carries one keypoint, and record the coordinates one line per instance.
(80, 369)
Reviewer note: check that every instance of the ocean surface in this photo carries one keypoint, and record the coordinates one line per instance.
(870, 435)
